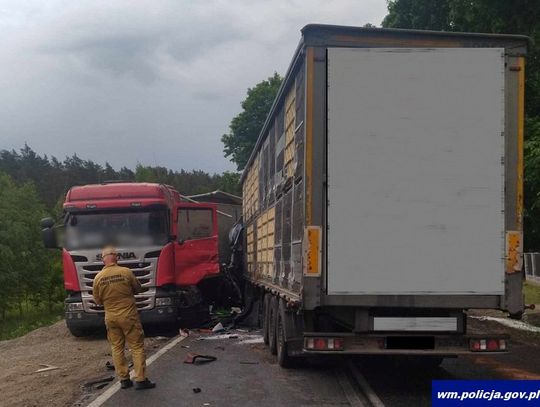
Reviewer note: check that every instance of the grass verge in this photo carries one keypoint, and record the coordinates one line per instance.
(532, 292)
(16, 325)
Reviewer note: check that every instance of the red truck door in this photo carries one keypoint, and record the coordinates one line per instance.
(196, 245)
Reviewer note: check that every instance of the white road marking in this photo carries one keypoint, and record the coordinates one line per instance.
(350, 393)
(364, 386)
(102, 398)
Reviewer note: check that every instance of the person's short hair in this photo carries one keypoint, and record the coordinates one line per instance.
(108, 250)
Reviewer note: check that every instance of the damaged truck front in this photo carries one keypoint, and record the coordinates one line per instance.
(384, 196)
(170, 244)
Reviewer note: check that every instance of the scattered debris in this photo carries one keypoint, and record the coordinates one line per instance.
(216, 337)
(195, 358)
(251, 339)
(46, 368)
(184, 346)
(183, 332)
(196, 390)
(98, 384)
(161, 338)
(218, 328)
(236, 310)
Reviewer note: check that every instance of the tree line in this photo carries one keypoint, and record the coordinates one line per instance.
(52, 178)
(30, 275)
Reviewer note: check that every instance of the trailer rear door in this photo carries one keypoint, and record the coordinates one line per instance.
(415, 171)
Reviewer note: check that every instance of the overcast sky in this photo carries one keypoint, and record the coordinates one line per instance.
(153, 82)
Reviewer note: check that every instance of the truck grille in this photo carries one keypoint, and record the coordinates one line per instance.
(143, 301)
(144, 271)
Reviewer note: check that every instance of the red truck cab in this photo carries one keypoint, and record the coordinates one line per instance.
(170, 245)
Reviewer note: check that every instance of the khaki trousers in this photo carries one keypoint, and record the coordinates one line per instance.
(130, 330)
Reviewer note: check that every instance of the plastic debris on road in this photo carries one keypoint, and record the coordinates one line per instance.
(198, 359)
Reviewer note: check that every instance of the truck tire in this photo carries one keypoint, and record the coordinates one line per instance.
(272, 322)
(266, 317)
(284, 360)
(78, 332)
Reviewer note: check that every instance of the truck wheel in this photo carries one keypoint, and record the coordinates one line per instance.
(78, 332)
(283, 357)
(266, 317)
(517, 315)
(272, 322)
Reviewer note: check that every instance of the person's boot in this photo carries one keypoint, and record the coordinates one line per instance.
(146, 384)
(125, 383)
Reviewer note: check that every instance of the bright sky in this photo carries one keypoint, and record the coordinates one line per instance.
(154, 82)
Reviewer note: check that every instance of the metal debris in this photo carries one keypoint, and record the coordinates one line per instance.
(195, 358)
(46, 368)
(218, 328)
(183, 332)
(99, 383)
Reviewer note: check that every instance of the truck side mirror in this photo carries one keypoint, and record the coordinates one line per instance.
(47, 223)
(49, 238)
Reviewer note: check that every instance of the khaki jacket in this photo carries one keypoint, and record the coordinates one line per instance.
(115, 287)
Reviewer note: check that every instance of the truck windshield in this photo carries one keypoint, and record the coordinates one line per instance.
(90, 230)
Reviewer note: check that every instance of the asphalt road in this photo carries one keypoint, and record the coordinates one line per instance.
(245, 374)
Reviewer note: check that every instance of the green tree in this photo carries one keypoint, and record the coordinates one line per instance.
(230, 182)
(24, 259)
(532, 185)
(245, 127)
(419, 14)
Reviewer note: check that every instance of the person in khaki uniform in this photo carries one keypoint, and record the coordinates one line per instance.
(115, 287)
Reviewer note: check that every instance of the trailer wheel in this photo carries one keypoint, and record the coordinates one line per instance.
(266, 317)
(283, 357)
(272, 322)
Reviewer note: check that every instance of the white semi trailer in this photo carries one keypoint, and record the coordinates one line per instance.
(384, 196)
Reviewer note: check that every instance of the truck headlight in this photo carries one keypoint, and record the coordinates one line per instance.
(162, 302)
(74, 307)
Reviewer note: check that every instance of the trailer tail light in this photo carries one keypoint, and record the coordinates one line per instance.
(323, 344)
(487, 345)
